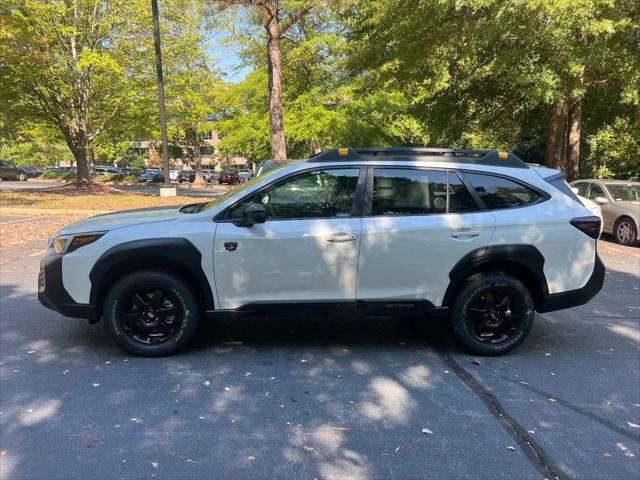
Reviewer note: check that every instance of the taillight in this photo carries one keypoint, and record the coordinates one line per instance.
(588, 225)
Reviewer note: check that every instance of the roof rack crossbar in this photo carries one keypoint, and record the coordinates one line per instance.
(458, 155)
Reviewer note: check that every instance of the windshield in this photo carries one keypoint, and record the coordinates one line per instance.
(624, 193)
(237, 190)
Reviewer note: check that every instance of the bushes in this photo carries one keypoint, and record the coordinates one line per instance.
(117, 177)
(107, 177)
(110, 177)
(614, 151)
(67, 176)
(51, 176)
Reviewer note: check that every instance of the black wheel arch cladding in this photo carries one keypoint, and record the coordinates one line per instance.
(524, 262)
(177, 255)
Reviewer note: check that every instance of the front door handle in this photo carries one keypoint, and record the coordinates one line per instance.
(340, 237)
(465, 234)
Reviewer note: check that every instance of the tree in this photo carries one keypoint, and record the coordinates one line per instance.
(324, 106)
(35, 145)
(276, 17)
(190, 80)
(65, 62)
(507, 74)
(242, 117)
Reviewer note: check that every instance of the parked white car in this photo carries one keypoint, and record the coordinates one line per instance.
(477, 235)
(619, 202)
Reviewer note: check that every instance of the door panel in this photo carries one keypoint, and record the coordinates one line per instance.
(287, 261)
(422, 223)
(307, 250)
(608, 217)
(411, 257)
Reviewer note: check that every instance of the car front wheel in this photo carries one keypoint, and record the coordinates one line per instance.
(492, 314)
(625, 231)
(151, 313)
(22, 177)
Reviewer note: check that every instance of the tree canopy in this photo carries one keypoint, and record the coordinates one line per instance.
(556, 81)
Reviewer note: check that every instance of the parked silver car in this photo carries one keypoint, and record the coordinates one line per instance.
(619, 201)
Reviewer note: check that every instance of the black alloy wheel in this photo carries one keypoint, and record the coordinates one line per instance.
(492, 314)
(151, 317)
(151, 312)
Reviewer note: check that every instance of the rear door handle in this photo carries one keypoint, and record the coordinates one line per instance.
(465, 234)
(340, 237)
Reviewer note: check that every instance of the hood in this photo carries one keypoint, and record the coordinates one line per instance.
(110, 221)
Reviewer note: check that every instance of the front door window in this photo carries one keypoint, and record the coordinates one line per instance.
(315, 194)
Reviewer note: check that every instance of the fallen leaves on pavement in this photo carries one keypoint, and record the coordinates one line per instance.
(35, 230)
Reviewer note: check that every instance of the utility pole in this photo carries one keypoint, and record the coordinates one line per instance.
(160, 78)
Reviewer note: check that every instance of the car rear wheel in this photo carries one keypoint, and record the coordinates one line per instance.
(151, 313)
(492, 314)
(625, 231)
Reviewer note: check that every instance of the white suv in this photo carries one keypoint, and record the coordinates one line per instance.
(478, 235)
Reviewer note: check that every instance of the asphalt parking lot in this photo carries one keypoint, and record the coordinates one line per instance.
(322, 397)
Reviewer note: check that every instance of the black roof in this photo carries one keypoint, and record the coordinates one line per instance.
(476, 157)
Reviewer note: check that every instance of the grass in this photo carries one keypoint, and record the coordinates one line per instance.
(39, 199)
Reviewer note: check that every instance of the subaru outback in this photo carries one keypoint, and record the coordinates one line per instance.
(476, 235)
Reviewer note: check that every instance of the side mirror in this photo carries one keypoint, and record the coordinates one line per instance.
(575, 190)
(253, 213)
(600, 200)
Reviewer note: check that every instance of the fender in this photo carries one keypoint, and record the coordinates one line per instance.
(177, 253)
(522, 261)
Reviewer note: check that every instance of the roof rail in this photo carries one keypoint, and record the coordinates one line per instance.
(456, 155)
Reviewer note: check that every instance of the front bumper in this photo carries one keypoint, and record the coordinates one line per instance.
(52, 294)
(580, 296)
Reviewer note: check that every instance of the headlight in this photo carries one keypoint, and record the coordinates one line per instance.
(69, 243)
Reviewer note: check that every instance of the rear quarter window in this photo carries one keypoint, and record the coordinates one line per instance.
(561, 184)
(500, 193)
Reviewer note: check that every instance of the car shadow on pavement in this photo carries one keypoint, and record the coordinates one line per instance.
(273, 396)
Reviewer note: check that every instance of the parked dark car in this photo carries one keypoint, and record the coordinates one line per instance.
(8, 171)
(186, 176)
(60, 170)
(100, 170)
(130, 171)
(229, 178)
(151, 177)
(32, 172)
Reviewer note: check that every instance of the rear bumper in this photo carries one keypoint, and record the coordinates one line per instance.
(574, 298)
(52, 294)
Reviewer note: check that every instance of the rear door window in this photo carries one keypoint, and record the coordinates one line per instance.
(460, 200)
(499, 192)
(408, 192)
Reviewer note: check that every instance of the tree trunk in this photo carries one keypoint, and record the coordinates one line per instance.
(80, 155)
(314, 147)
(197, 160)
(556, 142)
(573, 133)
(573, 139)
(276, 122)
(91, 161)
